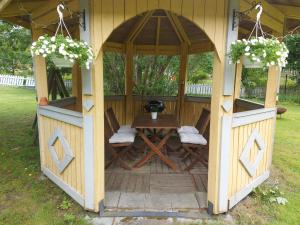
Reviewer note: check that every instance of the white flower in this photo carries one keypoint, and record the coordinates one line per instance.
(41, 50)
(44, 46)
(272, 63)
(44, 55)
(247, 49)
(52, 39)
(34, 44)
(46, 42)
(247, 53)
(37, 52)
(41, 38)
(278, 53)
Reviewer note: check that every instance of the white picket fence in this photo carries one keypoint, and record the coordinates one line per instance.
(17, 81)
(21, 81)
(199, 89)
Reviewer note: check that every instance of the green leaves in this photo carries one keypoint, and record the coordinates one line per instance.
(15, 55)
(63, 47)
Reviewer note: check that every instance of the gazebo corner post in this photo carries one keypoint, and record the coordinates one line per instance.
(76, 79)
(39, 69)
(93, 111)
(182, 81)
(272, 86)
(41, 85)
(224, 80)
(129, 82)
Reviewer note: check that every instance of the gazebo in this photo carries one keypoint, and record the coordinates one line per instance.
(71, 130)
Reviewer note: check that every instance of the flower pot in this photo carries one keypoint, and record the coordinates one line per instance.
(61, 62)
(154, 115)
(43, 101)
(250, 64)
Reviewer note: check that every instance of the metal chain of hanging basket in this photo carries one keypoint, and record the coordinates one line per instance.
(61, 24)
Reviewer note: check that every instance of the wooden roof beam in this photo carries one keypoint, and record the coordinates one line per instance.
(174, 26)
(50, 16)
(4, 4)
(178, 26)
(138, 27)
(291, 12)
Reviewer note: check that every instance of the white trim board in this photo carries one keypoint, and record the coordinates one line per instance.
(244, 118)
(224, 163)
(64, 186)
(89, 161)
(247, 189)
(64, 115)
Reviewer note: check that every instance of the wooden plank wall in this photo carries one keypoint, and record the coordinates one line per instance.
(209, 15)
(238, 176)
(73, 175)
(192, 109)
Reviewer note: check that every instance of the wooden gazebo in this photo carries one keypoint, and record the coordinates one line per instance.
(71, 133)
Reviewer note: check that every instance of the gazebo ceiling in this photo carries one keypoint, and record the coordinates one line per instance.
(160, 30)
(285, 2)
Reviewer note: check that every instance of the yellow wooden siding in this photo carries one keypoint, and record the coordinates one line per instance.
(109, 14)
(192, 110)
(73, 175)
(238, 176)
(119, 108)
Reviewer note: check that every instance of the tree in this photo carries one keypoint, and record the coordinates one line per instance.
(15, 57)
(153, 75)
(293, 44)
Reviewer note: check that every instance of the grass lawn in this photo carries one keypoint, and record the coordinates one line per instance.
(26, 197)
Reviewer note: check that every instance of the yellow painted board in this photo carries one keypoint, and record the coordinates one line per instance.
(119, 13)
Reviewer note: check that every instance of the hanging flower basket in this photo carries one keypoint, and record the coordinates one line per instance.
(259, 52)
(63, 51)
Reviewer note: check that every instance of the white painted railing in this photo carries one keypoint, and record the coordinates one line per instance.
(21, 81)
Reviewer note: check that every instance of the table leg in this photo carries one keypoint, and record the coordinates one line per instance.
(156, 150)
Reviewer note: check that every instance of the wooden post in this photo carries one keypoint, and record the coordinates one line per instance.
(221, 118)
(40, 71)
(182, 81)
(129, 82)
(238, 80)
(76, 80)
(41, 85)
(272, 86)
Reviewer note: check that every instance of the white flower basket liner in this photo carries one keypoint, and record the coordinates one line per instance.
(250, 64)
(62, 62)
(154, 115)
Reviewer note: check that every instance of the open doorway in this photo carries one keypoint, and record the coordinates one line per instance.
(152, 57)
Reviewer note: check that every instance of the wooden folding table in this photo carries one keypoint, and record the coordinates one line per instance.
(163, 122)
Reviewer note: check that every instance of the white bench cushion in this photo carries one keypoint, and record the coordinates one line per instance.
(127, 129)
(122, 138)
(189, 138)
(188, 129)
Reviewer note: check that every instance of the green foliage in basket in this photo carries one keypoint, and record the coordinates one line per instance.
(63, 47)
(268, 51)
